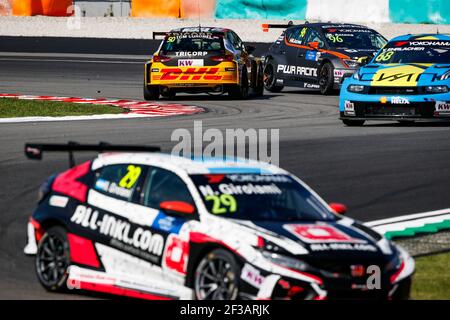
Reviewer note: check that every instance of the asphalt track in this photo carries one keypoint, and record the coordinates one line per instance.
(380, 170)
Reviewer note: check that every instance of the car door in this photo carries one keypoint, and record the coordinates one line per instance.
(289, 70)
(162, 186)
(308, 57)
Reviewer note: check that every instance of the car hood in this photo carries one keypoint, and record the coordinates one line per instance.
(331, 239)
(403, 75)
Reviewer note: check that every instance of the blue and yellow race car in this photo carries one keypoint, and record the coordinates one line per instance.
(408, 80)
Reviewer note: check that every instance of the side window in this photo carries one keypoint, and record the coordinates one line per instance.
(314, 36)
(234, 40)
(119, 181)
(296, 35)
(162, 185)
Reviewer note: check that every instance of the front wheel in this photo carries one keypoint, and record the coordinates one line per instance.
(217, 277)
(53, 259)
(353, 123)
(326, 79)
(270, 79)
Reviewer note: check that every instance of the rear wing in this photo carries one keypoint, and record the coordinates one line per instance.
(267, 26)
(35, 150)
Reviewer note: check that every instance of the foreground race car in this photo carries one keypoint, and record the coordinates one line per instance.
(150, 225)
(201, 59)
(318, 55)
(408, 80)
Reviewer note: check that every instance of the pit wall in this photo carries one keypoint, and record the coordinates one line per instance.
(377, 11)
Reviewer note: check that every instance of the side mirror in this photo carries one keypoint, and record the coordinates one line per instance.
(364, 60)
(338, 208)
(250, 49)
(314, 45)
(177, 208)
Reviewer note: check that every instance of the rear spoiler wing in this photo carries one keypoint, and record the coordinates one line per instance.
(35, 150)
(267, 26)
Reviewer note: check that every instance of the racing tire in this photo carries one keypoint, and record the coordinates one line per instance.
(241, 91)
(169, 95)
(259, 82)
(151, 92)
(326, 79)
(353, 123)
(217, 276)
(53, 260)
(270, 79)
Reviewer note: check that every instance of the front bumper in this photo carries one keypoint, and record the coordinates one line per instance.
(435, 107)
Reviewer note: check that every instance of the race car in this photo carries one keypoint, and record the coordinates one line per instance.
(318, 56)
(203, 59)
(140, 223)
(408, 80)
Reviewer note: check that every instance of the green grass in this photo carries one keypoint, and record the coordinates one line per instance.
(10, 108)
(432, 278)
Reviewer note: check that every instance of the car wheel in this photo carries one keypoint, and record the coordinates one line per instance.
(151, 92)
(353, 123)
(53, 259)
(326, 79)
(270, 79)
(217, 277)
(240, 91)
(259, 83)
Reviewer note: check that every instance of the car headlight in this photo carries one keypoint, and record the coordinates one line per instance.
(436, 89)
(286, 261)
(352, 63)
(355, 88)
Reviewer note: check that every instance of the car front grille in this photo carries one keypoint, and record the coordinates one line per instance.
(395, 90)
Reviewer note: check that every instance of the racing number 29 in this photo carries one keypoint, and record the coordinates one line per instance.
(222, 204)
(130, 178)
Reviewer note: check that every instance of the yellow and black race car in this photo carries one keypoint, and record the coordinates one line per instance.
(203, 59)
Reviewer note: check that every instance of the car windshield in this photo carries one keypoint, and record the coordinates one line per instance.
(430, 51)
(192, 42)
(259, 197)
(354, 39)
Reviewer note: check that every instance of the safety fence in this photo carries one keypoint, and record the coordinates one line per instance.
(383, 11)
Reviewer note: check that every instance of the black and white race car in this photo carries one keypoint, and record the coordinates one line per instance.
(149, 225)
(318, 55)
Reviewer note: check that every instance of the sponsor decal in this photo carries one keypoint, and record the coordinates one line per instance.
(297, 70)
(191, 53)
(252, 276)
(429, 43)
(314, 233)
(312, 55)
(383, 100)
(339, 73)
(399, 100)
(310, 86)
(58, 201)
(257, 178)
(190, 62)
(349, 108)
(442, 108)
(176, 254)
(343, 247)
(171, 74)
(193, 35)
(122, 234)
